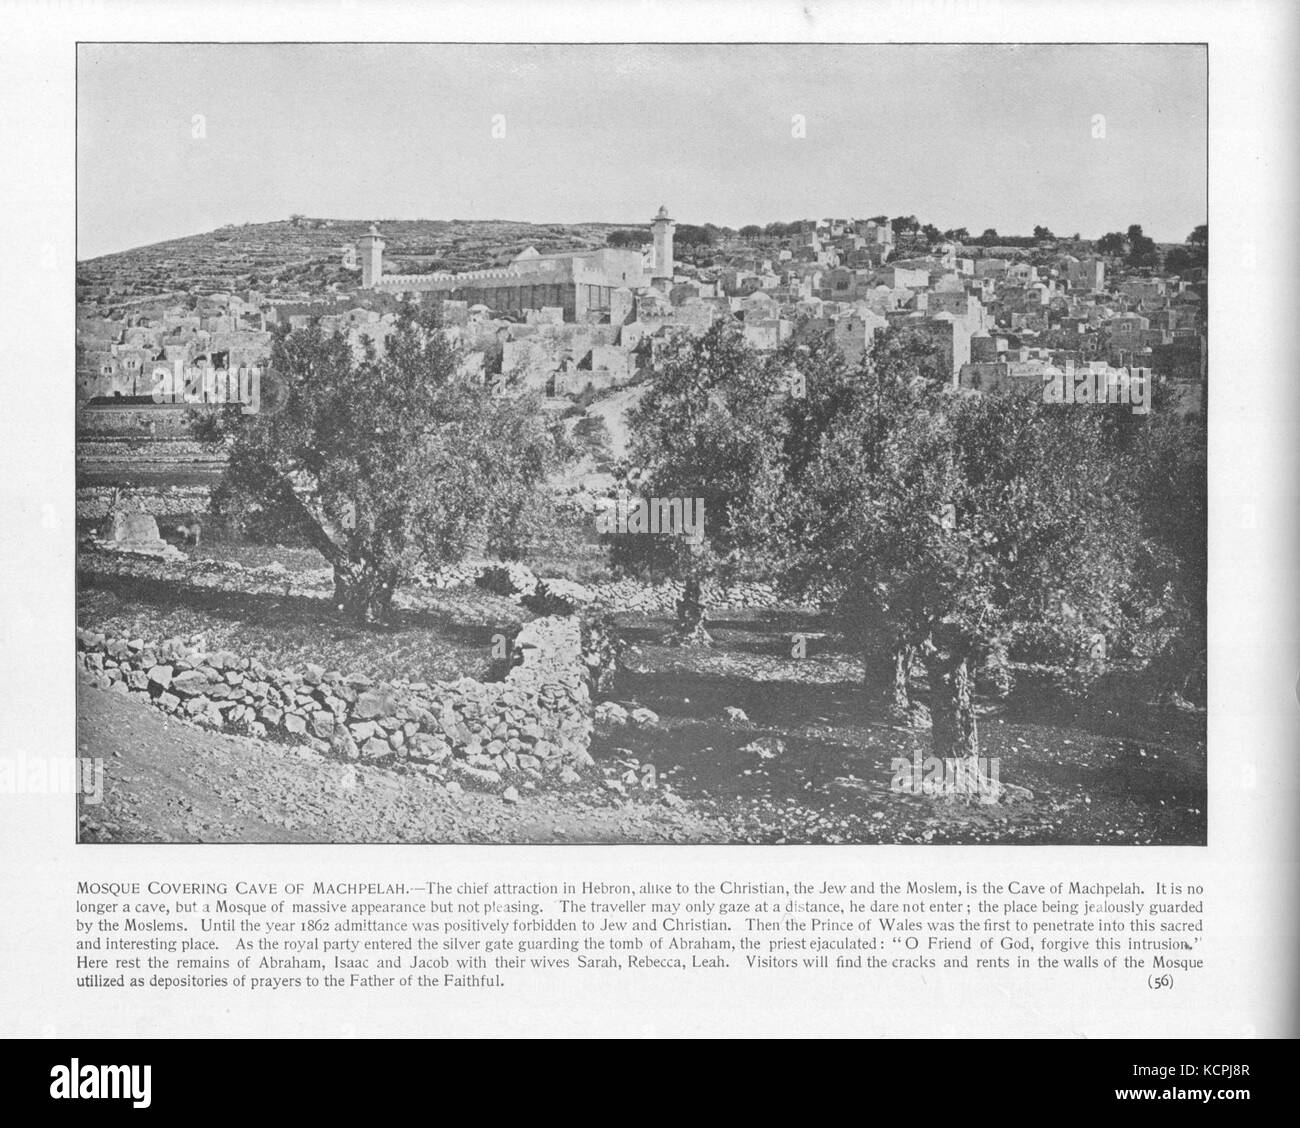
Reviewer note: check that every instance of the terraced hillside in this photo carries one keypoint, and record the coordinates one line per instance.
(288, 259)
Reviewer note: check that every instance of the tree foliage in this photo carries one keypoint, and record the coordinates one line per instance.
(1142, 248)
(1112, 243)
(386, 460)
(626, 237)
(703, 431)
(690, 235)
(1192, 254)
(963, 528)
(1138, 249)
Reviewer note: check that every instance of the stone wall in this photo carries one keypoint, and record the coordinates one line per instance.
(536, 721)
(94, 502)
(204, 572)
(625, 595)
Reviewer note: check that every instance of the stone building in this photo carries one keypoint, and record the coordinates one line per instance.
(588, 285)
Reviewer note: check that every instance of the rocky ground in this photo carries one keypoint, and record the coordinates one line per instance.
(691, 773)
(168, 781)
(740, 742)
(791, 750)
(285, 618)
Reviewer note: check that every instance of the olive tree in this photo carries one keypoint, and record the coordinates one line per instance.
(703, 433)
(385, 458)
(962, 525)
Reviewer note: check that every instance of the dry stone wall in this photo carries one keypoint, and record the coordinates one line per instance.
(94, 502)
(535, 722)
(625, 595)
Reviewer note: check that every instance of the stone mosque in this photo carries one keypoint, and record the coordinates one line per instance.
(587, 285)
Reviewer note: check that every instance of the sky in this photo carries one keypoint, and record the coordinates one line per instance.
(177, 139)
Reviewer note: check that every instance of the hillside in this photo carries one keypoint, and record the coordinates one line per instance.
(290, 260)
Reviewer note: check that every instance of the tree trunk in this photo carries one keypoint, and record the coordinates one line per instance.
(362, 592)
(955, 733)
(901, 702)
(690, 615)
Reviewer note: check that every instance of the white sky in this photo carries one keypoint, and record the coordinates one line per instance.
(974, 136)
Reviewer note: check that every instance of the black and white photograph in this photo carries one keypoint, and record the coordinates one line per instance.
(556, 519)
(626, 443)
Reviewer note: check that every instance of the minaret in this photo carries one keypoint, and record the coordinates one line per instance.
(371, 246)
(661, 273)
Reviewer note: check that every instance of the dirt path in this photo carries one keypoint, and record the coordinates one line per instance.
(613, 410)
(168, 781)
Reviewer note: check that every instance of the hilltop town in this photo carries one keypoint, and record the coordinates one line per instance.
(572, 310)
